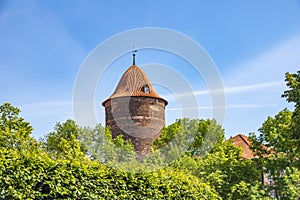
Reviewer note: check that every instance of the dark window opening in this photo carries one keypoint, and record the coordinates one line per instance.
(146, 89)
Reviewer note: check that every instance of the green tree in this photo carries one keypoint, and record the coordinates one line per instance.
(61, 170)
(14, 130)
(275, 149)
(291, 186)
(195, 137)
(275, 135)
(293, 96)
(227, 172)
(37, 176)
(212, 159)
(62, 142)
(209, 134)
(68, 140)
(278, 146)
(100, 145)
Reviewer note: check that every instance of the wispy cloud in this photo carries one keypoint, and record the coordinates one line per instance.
(229, 90)
(253, 87)
(226, 106)
(249, 105)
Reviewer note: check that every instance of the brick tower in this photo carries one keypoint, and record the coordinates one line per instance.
(135, 110)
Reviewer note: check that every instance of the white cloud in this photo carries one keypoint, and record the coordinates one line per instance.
(230, 90)
(226, 106)
(249, 105)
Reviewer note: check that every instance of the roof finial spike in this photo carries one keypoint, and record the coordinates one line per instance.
(134, 57)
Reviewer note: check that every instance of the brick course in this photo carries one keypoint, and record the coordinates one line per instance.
(138, 119)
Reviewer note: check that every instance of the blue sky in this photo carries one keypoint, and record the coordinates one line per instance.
(44, 43)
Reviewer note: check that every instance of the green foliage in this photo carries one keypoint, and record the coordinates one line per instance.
(71, 141)
(276, 151)
(278, 145)
(62, 142)
(274, 135)
(226, 170)
(217, 162)
(230, 175)
(293, 95)
(69, 162)
(100, 146)
(90, 138)
(14, 131)
(291, 183)
(194, 137)
(293, 82)
(36, 176)
(248, 191)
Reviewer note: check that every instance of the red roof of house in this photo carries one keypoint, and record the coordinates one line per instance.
(243, 142)
(131, 84)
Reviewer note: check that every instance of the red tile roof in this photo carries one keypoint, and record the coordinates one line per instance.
(131, 84)
(243, 142)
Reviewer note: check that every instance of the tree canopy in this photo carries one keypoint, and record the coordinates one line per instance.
(15, 131)
(79, 162)
(278, 145)
(191, 160)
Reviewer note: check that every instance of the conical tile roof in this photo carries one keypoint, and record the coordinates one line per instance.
(134, 82)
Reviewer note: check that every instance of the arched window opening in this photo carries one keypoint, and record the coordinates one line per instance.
(146, 88)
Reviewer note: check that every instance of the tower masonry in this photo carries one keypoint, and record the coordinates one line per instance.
(135, 110)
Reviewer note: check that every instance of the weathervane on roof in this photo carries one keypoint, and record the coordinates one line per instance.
(133, 54)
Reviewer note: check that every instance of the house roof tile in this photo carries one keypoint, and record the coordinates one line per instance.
(243, 142)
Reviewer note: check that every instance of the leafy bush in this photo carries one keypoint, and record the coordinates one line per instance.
(36, 176)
